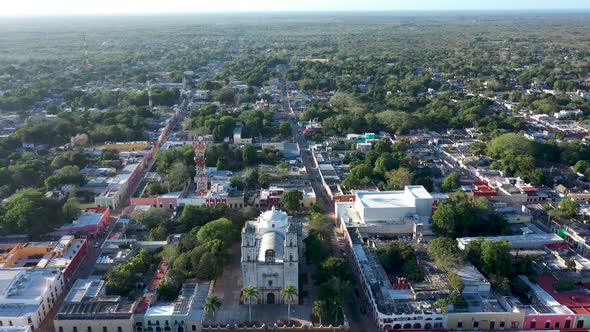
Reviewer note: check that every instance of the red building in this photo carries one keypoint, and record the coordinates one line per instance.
(482, 189)
(90, 223)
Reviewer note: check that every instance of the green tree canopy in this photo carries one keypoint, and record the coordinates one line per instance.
(462, 215)
(359, 177)
(153, 217)
(567, 209)
(445, 253)
(451, 182)
(285, 130)
(399, 258)
(71, 209)
(491, 257)
(221, 229)
(29, 212)
(581, 166)
(398, 179)
(333, 267)
(291, 200)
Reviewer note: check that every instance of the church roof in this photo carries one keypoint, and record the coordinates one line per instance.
(271, 241)
(274, 217)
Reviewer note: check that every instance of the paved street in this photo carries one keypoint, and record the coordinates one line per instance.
(83, 271)
(351, 309)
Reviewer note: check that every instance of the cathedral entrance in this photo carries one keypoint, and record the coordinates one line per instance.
(270, 298)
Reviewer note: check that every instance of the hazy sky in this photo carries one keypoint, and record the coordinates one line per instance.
(69, 7)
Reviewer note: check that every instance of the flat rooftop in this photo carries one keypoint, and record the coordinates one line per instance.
(546, 303)
(96, 309)
(160, 310)
(392, 199)
(25, 285)
(389, 299)
(88, 218)
(516, 240)
(190, 301)
(388, 199)
(577, 301)
(15, 329)
(85, 288)
(419, 192)
(21, 290)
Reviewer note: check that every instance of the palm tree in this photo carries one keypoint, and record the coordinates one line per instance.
(249, 293)
(289, 294)
(337, 304)
(318, 309)
(212, 304)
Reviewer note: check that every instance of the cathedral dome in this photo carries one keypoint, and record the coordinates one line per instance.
(274, 218)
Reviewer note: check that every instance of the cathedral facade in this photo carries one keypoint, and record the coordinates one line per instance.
(270, 255)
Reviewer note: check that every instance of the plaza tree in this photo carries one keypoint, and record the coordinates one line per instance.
(318, 310)
(212, 304)
(250, 294)
(289, 293)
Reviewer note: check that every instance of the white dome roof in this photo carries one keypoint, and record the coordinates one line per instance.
(274, 217)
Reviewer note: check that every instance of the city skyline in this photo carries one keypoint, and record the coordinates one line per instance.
(70, 7)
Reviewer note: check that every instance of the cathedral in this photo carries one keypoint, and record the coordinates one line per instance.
(270, 255)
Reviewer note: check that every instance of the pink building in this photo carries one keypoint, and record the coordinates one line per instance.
(546, 312)
(167, 201)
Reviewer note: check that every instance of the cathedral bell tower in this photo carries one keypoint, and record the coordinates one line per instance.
(249, 255)
(291, 259)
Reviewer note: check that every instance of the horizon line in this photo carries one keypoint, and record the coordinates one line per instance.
(548, 10)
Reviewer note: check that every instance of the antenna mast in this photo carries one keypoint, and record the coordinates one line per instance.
(87, 63)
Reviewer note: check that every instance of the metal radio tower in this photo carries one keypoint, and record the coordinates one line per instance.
(201, 168)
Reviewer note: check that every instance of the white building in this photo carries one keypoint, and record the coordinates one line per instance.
(27, 295)
(270, 255)
(16, 329)
(392, 303)
(473, 281)
(395, 304)
(400, 213)
(568, 114)
(518, 242)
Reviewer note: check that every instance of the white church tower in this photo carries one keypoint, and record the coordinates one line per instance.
(249, 255)
(291, 261)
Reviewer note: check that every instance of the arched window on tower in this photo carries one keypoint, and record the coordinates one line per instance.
(269, 256)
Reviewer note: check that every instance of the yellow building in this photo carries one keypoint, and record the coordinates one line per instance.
(64, 254)
(469, 321)
(26, 254)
